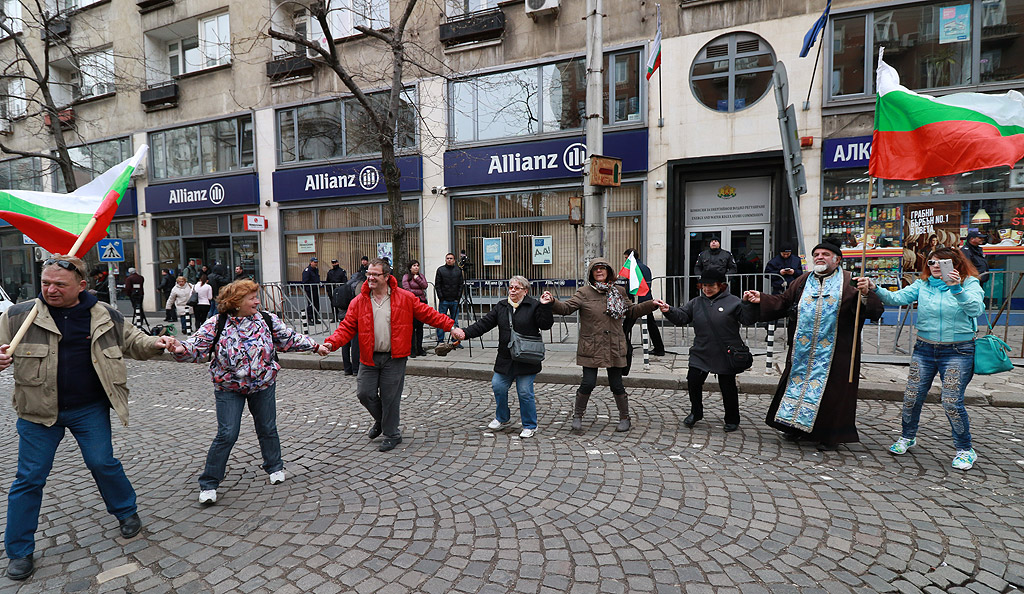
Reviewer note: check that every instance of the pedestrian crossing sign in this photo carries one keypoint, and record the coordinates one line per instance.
(111, 250)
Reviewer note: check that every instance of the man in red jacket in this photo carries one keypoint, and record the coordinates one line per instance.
(381, 317)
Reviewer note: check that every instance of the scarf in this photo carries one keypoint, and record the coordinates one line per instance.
(515, 306)
(938, 284)
(813, 346)
(616, 303)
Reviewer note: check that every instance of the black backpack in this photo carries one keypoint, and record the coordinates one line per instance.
(222, 319)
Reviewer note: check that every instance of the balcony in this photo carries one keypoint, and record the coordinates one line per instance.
(160, 94)
(476, 26)
(66, 117)
(289, 65)
(148, 5)
(57, 28)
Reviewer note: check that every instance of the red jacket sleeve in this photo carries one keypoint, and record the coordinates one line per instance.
(428, 315)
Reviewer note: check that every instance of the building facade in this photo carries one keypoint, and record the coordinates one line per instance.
(491, 141)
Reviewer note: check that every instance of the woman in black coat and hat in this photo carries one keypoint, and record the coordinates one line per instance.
(716, 315)
(528, 316)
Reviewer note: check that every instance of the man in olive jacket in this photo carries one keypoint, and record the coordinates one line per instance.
(69, 372)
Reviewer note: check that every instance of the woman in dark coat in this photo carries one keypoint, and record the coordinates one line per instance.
(603, 306)
(528, 316)
(716, 315)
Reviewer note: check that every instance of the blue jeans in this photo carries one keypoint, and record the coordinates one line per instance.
(450, 309)
(37, 445)
(500, 383)
(955, 365)
(263, 407)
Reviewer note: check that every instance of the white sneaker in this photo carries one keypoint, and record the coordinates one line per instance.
(528, 433)
(277, 478)
(208, 496)
(495, 424)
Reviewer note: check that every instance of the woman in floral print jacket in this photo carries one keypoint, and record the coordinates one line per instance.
(240, 344)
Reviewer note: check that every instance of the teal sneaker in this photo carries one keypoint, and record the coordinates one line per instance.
(902, 445)
(965, 459)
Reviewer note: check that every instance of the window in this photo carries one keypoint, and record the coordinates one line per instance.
(82, 77)
(338, 129)
(188, 46)
(542, 99)
(933, 45)
(462, 7)
(12, 91)
(343, 16)
(211, 147)
(732, 72)
(70, 5)
(93, 159)
(21, 174)
(12, 17)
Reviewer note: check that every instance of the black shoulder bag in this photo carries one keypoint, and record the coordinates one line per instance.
(524, 349)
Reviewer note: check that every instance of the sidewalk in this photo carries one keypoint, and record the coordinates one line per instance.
(881, 378)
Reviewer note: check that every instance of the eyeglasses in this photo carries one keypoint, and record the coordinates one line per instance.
(515, 288)
(933, 262)
(65, 265)
(374, 274)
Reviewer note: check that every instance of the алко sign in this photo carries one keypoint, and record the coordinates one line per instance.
(359, 178)
(214, 192)
(846, 153)
(533, 161)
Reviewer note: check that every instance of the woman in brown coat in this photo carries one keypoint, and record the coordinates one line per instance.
(602, 306)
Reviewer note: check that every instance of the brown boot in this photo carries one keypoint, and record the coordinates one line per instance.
(622, 403)
(578, 409)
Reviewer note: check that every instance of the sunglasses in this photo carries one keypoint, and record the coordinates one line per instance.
(933, 262)
(65, 265)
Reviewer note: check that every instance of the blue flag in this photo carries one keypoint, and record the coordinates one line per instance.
(817, 27)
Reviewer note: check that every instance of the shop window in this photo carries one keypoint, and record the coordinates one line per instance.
(933, 45)
(90, 160)
(542, 99)
(852, 184)
(732, 72)
(168, 227)
(213, 147)
(338, 129)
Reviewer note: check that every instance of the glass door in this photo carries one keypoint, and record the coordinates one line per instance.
(748, 247)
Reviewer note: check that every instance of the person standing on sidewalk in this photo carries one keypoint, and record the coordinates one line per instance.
(241, 343)
(416, 283)
(166, 284)
(783, 269)
(381, 318)
(205, 293)
(311, 285)
(716, 315)
(336, 277)
(657, 345)
(947, 312)
(715, 257)
(191, 272)
(603, 306)
(528, 317)
(178, 299)
(69, 371)
(815, 398)
(135, 290)
(448, 283)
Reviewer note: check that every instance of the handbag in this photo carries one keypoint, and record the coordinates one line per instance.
(193, 299)
(991, 354)
(524, 349)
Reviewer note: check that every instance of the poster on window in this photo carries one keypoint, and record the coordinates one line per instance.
(307, 244)
(492, 251)
(541, 250)
(955, 23)
(385, 250)
(928, 226)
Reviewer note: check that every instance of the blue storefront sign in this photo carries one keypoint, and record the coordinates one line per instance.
(213, 192)
(129, 206)
(343, 180)
(542, 160)
(846, 153)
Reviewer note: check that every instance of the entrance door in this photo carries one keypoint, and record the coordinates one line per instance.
(748, 245)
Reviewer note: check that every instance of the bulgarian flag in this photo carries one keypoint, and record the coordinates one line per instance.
(631, 270)
(654, 61)
(918, 136)
(54, 221)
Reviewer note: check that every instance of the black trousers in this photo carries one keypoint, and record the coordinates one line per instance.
(590, 380)
(730, 395)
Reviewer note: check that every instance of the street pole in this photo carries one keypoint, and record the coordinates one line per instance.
(595, 210)
(112, 284)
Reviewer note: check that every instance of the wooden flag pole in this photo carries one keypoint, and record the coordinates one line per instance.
(32, 314)
(863, 265)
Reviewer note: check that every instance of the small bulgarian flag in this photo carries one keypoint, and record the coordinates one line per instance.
(654, 61)
(637, 282)
(54, 221)
(918, 136)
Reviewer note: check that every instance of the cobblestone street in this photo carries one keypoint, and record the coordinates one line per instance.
(456, 508)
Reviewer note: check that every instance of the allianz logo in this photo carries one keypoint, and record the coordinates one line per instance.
(215, 194)
(573, 158)
(368, 178)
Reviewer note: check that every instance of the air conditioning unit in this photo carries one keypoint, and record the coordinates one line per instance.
(536, 8)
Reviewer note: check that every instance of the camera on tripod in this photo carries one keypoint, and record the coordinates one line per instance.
(464, 264)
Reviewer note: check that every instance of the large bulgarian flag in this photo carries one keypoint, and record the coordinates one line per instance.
(631, 270)
(918, 136)
(54, 221)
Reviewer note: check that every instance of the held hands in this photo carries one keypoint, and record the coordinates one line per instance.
(865, 285)
(545, 298)
(5, 359)
(460, 334)
(752, 296)
(166, 342)
(661, 305)
(323, 350)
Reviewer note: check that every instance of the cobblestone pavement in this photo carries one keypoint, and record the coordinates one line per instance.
(456, 508)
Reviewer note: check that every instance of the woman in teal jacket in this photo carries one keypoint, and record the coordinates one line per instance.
(947, 314)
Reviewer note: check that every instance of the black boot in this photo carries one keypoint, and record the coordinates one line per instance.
(578, 409)
(622, 403)
(695, 415)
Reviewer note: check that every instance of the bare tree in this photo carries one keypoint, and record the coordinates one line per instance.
(383, 115)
